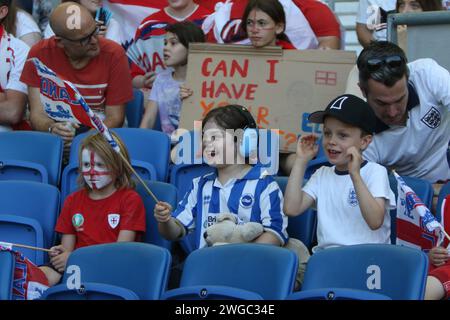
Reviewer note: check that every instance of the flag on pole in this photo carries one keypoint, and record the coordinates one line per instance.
(416, 225)
(29, 281)
(63, 102)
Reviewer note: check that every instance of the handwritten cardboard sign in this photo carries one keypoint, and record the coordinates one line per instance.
(279, 87)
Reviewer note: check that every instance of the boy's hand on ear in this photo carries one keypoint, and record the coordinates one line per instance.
(162, 212)
(355, 160)
(307, 147)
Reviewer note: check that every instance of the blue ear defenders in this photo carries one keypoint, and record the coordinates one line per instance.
(249, 143)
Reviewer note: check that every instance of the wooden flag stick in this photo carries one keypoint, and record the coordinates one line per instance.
(27, 247)
(139, 178)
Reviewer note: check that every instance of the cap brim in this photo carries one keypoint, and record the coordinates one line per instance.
(317, 117)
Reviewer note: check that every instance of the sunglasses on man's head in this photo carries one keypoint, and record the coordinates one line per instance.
(392, 62)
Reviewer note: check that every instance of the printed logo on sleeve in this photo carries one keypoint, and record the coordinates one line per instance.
(113, 220)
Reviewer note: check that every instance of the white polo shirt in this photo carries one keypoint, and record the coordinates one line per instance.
(419, 149)
(13, 53)
(369, 13)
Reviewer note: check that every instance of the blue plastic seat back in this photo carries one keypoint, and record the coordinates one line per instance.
(394, 271)
(422, 188)
(135, 109)
(89, 291)
(163, 192)
(445, 190)
(181, 176)
(143, 145)
(21, 147)
(33, 201)
(302, 227)
(264, 269)
(139, 267)
(7, 264)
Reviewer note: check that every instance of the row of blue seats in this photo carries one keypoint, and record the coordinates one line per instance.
(237, 271)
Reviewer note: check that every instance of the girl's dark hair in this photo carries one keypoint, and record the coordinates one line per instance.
(9, 22)
(273, 8)
(427, 5)
(187, 32)
(230, 117)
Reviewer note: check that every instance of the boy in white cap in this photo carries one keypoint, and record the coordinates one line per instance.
(353, 197)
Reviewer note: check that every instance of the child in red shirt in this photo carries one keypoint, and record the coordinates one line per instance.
(105, 210)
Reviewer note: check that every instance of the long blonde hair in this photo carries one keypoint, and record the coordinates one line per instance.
(114, 162)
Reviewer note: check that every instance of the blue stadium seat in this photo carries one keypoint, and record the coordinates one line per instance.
(28, 214)
(123, 270)
(163, 192)
(30, 155)
(302, 227)
(422, 188)
(396, 272)
(7, 263)
(181, 176)
(336, 294)
(445, 190)
(135, 109)
(237, 271)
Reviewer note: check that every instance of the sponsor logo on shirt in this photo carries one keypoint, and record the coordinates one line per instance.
(206, 200)
(432, 118)
(78, 221)
(209, 221)
(247, 201)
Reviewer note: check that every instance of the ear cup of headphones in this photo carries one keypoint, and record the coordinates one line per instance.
(249, 143)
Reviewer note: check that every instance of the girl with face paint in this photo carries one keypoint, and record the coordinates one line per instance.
(106, 209)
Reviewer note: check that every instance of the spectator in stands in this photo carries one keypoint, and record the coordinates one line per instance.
(412, 103)
(110, 29)
(310, 24)
(168, 89)
(42, 10)
(97, 66)
(406, 6)
(371, 22)
(353, 197)
(236, 187)
(13, 92)
(264, 23)
(176, 11)
(22, 25)
(106, 209)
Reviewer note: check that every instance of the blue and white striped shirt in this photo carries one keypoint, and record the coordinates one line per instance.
(254, 198)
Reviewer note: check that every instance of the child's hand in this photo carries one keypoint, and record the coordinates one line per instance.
(355, 160)
(58, 257)
(438, 256)
(185, 92)
(307, 147)
(102, 28)
(162, 212)
(149, 78)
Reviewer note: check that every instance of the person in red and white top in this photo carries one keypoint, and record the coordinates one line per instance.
(98, 68)
(310, 24)
(176, 11)
(106, 209)
(13, 92)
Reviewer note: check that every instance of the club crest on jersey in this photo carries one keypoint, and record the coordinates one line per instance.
(113, 220)
(247, 201)
(352, 198)
(432, 118)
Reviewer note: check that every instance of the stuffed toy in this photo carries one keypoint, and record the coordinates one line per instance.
(227, 230)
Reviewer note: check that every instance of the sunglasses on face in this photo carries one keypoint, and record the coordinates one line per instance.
(85, 40)
(392, 62)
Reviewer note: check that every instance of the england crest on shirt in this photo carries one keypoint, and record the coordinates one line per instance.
(352, 198)
(432, 118)
(113, 220)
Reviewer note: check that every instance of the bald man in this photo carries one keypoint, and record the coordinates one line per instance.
(97, 66)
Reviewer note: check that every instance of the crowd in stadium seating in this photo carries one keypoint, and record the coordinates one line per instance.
(397, 117)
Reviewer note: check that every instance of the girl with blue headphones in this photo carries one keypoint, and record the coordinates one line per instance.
(229, 143)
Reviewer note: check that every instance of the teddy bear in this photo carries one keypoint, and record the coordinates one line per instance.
(227, 230)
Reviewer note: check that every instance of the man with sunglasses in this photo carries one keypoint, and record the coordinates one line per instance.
(97, 66)
(412, 103)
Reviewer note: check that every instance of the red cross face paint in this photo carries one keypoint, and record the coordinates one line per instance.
(94, 170)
